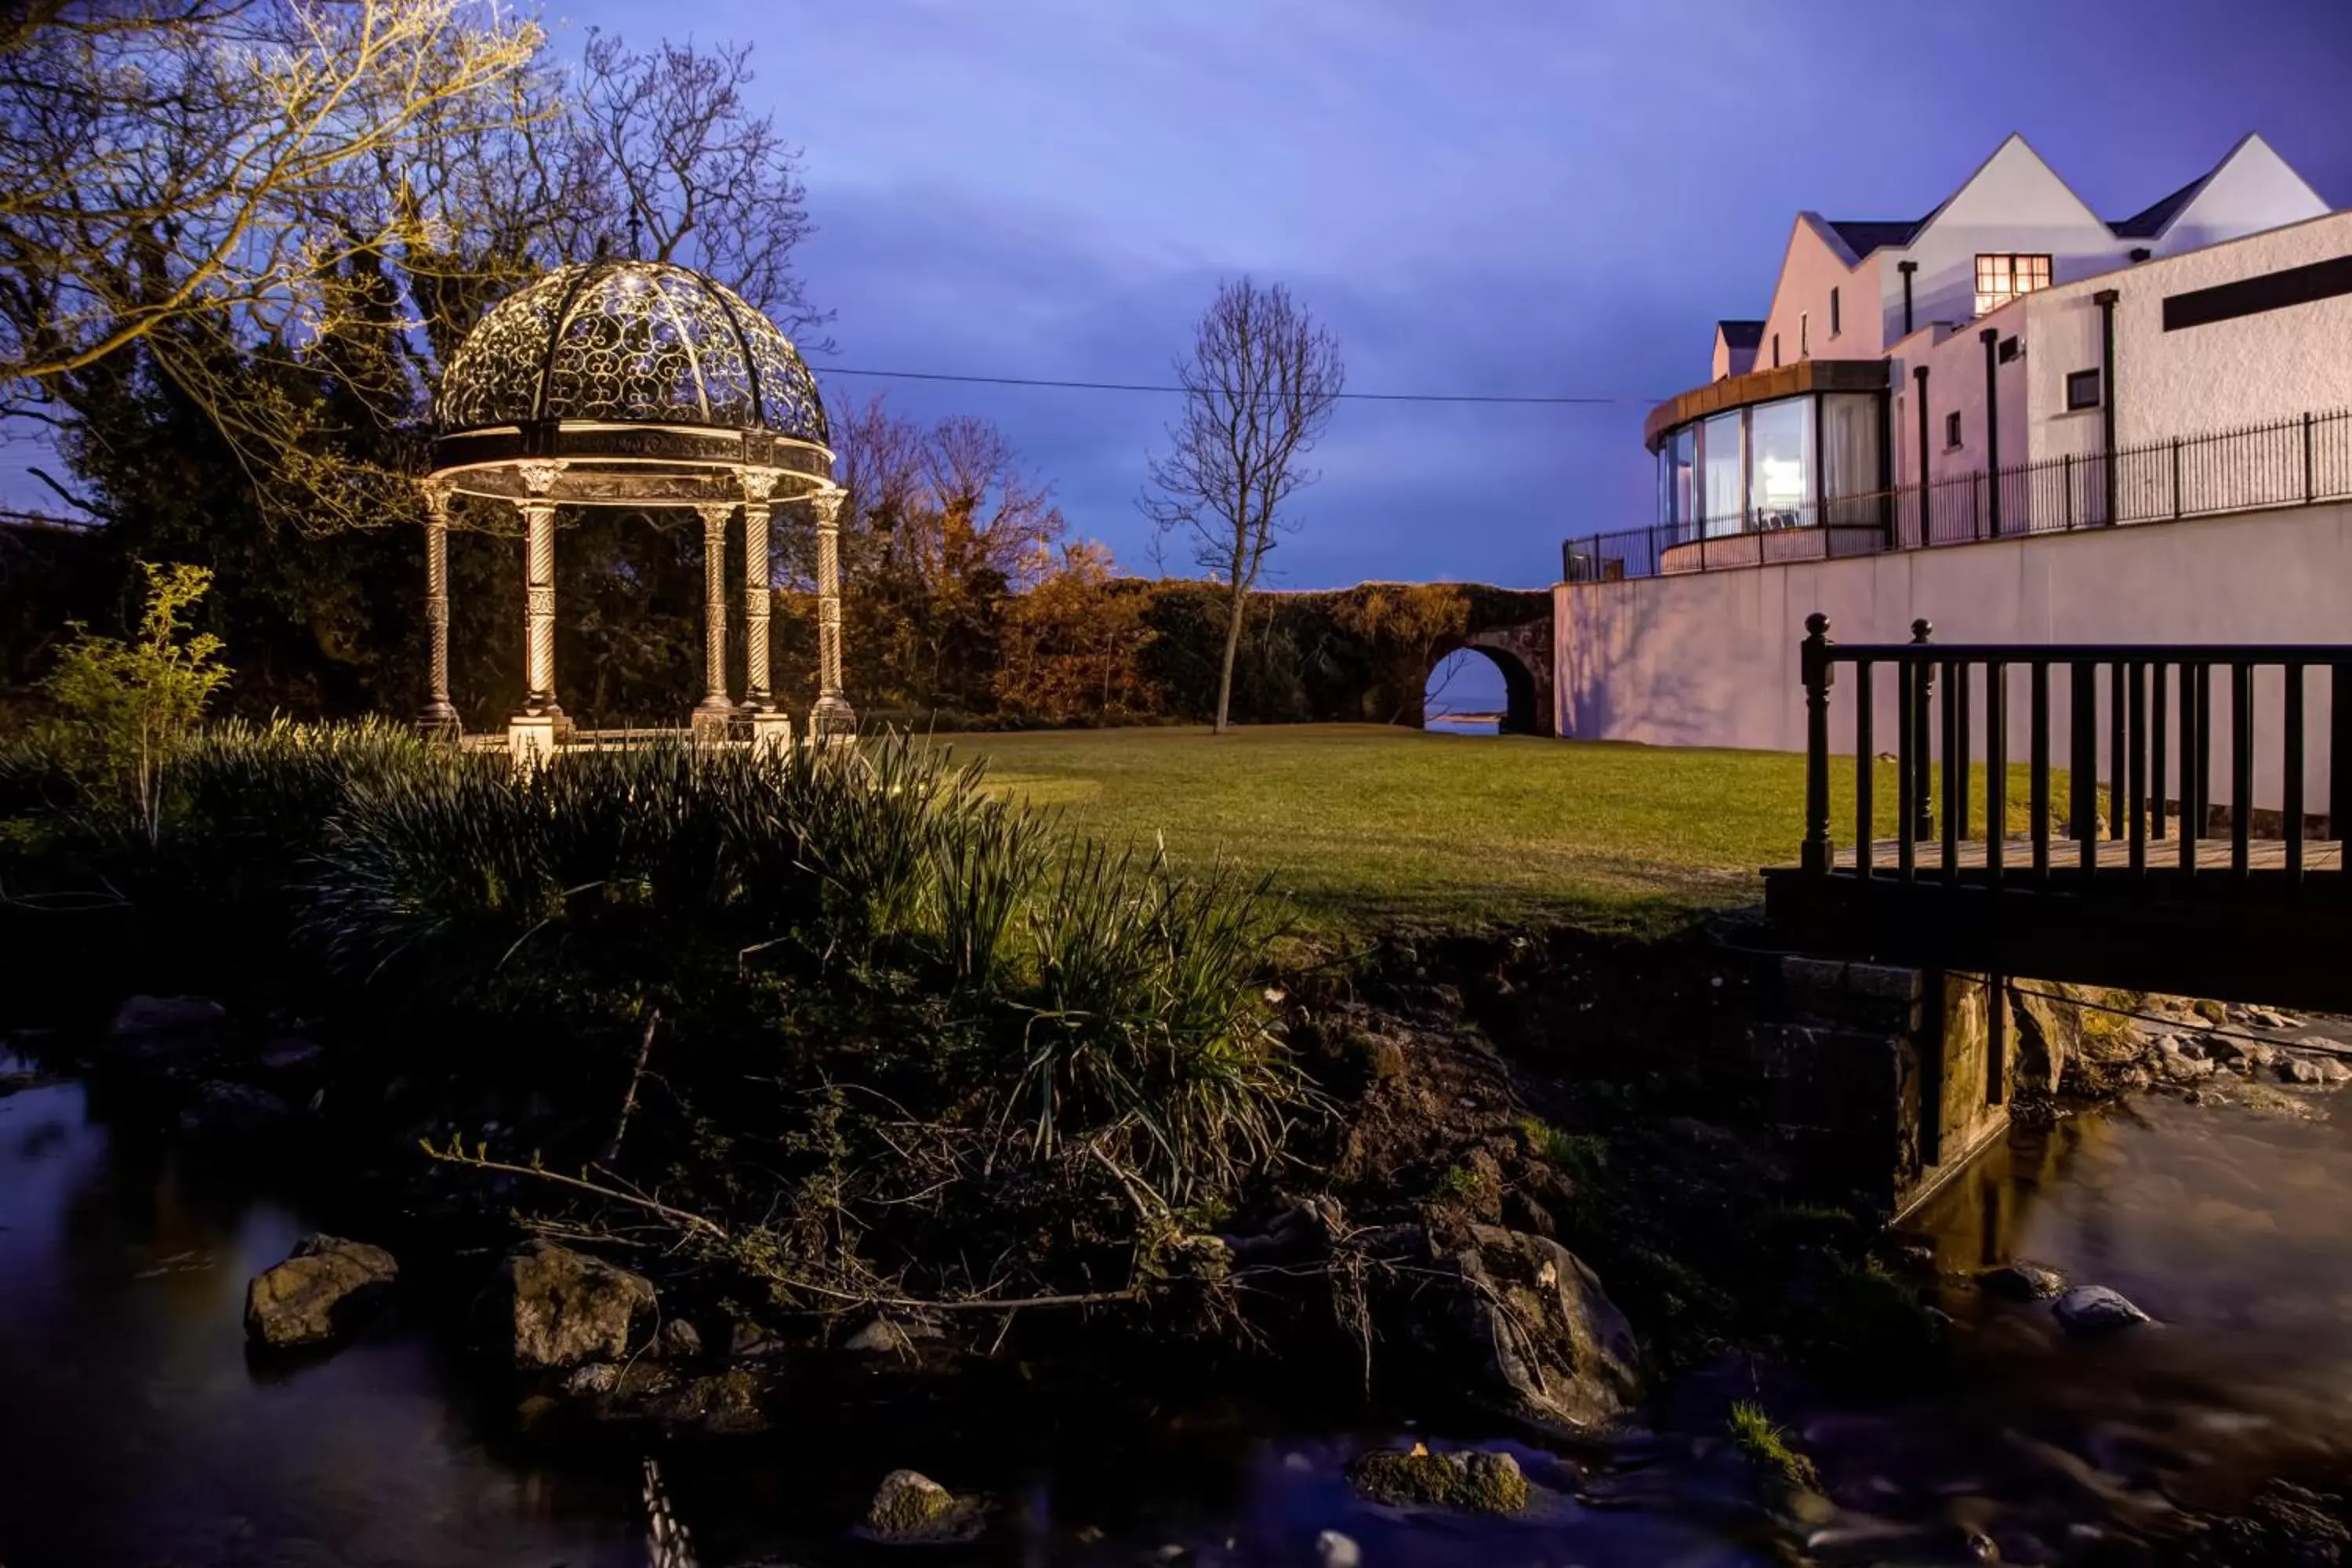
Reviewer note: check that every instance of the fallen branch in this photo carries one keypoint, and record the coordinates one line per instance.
(629, 1101)
(453, 1155)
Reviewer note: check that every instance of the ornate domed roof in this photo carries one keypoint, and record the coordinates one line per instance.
(639, 342)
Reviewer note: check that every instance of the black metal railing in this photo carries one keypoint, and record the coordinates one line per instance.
(1952, 699)
(2303, 461)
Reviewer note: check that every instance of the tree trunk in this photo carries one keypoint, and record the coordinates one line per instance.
(1226, 675)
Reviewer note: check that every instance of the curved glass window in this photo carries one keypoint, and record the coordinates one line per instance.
(1722, 461)
(1780, 476)
(1678, 476)
(1794, 462)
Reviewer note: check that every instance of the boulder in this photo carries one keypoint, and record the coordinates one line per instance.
(2095, 1309)
(909, 1507)
(1333, 1550)
(145, 1017)
(2023, 1281)
(324, 1291)
(2245, 1055)
(1470, 1480)
(2300, 1070)
(2049, 1034)
(163, 1037)
(1516, 1321)
(219, 1109)
(678, 1340)
(549, 1308)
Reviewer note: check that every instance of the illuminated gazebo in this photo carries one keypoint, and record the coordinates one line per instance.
(636, 384)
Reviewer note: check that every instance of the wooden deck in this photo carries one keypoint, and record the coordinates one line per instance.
(2264, 857)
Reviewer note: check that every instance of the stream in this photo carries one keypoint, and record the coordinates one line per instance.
(134, 1430)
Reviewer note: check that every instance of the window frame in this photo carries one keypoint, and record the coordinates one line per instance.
(2005, 276)
(1953, 440)
(2076, 379)
(1837, 314)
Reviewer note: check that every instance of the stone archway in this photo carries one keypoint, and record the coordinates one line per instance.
(1523, 654)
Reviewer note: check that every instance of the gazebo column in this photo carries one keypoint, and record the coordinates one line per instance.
(832, 718)
(771, 726)
(439, 716)
(714, 713)
(533, 733)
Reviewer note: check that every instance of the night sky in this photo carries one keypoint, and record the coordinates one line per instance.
(1499, 196)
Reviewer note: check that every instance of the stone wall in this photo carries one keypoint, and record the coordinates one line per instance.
(1881, 1082)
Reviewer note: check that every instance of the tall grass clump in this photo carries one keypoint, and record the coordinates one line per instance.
(1147, 1036)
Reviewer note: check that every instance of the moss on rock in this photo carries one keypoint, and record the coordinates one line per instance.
(910, 1506)
(1472, 1481)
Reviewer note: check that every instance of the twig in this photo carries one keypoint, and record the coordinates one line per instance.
(629, 1101)
(676, 1215)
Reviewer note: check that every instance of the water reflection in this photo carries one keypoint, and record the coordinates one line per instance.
(2229, 1228)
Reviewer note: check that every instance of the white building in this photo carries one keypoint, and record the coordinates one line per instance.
(2063, 383)
(1887, 343)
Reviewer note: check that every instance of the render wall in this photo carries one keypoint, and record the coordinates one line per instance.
(1801, 304)
(1710, 659)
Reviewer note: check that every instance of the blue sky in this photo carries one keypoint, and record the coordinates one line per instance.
(1501, 197)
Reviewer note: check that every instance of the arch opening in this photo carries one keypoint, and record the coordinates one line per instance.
(1476, 690)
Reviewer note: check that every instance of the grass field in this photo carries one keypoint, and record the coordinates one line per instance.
(1369, 823)
(1366, 824)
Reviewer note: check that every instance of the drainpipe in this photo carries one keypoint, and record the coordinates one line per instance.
(2106, 301)
(1919, 390)
(1906, 269)
(1990, 337)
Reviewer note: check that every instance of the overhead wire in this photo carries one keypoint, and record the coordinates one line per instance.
(1161, 388)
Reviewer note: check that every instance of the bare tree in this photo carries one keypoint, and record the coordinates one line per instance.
(699, 179)
(1258, 393)
(163, 161)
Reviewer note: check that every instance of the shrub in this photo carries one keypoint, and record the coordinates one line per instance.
(130, 705)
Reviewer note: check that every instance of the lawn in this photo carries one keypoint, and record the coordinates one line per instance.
(1361, 824)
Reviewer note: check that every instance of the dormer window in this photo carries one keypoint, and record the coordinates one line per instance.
(2002, 277)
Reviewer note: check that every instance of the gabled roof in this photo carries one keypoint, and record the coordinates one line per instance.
(2151, 221)
(1864, 235)
(1741, 334)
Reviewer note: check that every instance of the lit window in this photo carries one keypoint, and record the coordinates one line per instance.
(2083, 389)
(2001, 279)
(1952, 429)
(1837, 316)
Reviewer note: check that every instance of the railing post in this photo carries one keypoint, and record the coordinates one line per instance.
(1976, 502)
(2176, 478)
(1923, 824)
(1814, 661)
(2069, 467)
(2310, 477)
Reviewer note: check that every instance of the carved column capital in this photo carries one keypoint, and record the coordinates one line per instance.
(539, 479)
(758, 484)
(436, 492)
(715, 515)
(828, 506)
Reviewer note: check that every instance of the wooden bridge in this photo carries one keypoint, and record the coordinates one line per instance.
(2120, 869)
